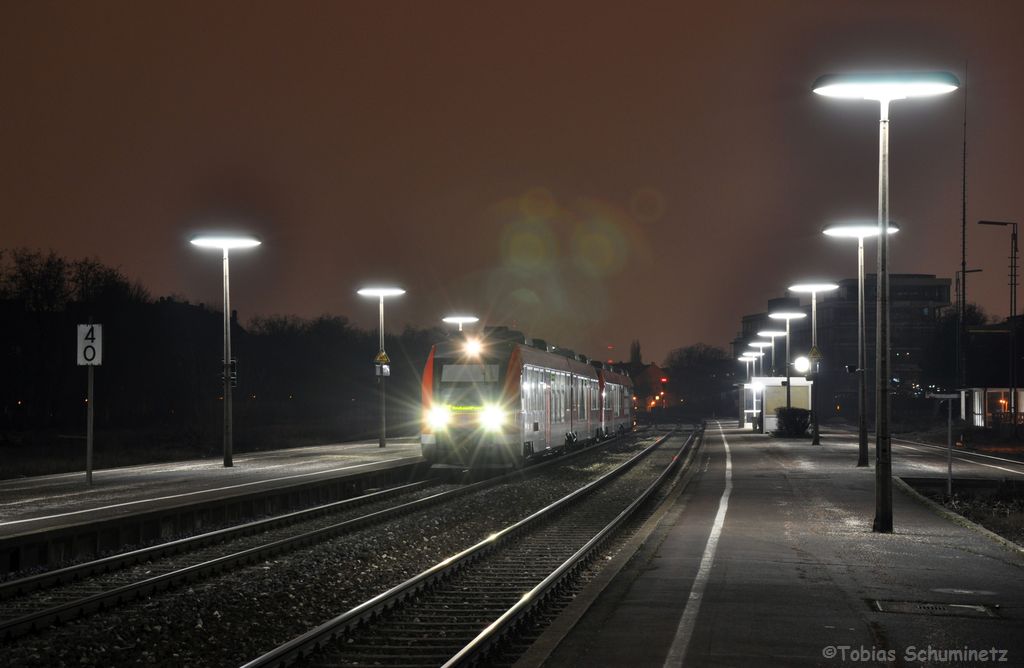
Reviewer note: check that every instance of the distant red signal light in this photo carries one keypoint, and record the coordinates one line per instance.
(664, 380)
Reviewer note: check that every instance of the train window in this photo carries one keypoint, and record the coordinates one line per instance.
(469, 373)
(593, 394)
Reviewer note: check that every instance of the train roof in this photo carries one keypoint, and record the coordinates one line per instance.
(537, 351)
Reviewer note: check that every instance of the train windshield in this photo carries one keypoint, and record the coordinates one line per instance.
(468, 384)
(469, 373)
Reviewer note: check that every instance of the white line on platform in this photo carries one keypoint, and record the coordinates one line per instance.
(200, 491)
(677, 653)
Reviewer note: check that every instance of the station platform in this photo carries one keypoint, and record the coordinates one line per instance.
(47, 519)
(766, 556)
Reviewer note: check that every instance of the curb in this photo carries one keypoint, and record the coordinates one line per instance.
(960, 519)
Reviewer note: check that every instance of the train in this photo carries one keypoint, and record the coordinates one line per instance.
(502, 400)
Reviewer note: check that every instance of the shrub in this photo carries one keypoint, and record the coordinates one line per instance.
(792, 422)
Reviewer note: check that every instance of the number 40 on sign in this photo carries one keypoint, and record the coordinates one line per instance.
(90, 345)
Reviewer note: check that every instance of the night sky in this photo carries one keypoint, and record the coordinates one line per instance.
(591, 172)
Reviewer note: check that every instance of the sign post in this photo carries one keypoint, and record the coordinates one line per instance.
(382, 366)
(90, 354)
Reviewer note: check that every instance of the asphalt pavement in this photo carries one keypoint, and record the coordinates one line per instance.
(54, 501)
(767, 558)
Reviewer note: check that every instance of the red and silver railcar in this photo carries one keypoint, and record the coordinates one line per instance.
(503, 400)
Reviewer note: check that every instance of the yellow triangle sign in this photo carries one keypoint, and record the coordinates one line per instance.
(381, 358)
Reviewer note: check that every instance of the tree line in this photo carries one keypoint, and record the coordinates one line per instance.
(298, 378)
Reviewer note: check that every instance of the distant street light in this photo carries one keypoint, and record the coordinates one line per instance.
(860, 231)
(226, 243)
(884, 89)
(760, 345)
(772, 334)
(460, 320)
(787, 316)
(381, 361)
(1013, 311)
(815, 354)
(748, 361)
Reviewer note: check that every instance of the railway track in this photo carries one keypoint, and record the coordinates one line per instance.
(462, 608)
(36, 602)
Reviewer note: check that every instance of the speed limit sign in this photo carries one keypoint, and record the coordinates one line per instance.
(90, 345)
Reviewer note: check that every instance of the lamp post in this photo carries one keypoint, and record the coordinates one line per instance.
(787, 316)
(460, 320)
(860, 231)
(884, 89)
(760, 345)
(755, 357)
(1013, 311)
(815, 354)
(758, 388)
(748, 358)
(226, 243)
(772, 334)
(382, 363)
(961, 325)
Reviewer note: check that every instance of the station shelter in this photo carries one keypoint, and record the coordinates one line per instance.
(762, 395)
(985, 406)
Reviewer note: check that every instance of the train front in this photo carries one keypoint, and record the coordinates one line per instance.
(470, 413)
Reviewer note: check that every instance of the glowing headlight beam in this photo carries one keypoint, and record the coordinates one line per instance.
(492, 418)
(439, 417)
(473, 347)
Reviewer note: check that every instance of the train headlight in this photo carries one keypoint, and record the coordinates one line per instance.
(473, 347)
(492, 418)
(439, 417)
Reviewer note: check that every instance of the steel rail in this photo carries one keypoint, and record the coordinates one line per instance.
(108, 564)
(118, 595)
(323, 634)
(505, 624)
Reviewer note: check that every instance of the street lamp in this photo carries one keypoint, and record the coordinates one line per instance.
(760, 345)
(758, 388)
(787, 316)
(772, 334)
(884, 88)
(226, 243)
(1013, 311)
(746, 360)
(460, 320)
(860, 231)
(815, 354)
(383, 364)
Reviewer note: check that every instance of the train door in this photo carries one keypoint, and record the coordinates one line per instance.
(548, 398)
(573, 400)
